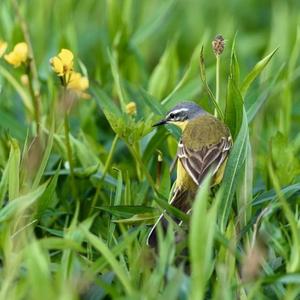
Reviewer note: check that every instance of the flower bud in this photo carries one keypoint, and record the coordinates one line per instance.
(131, 108)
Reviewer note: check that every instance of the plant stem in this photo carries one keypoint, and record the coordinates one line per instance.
(32, 73)
(143, 168)
(107, 164)
(36, 103)
(218, 57)
(69, 154)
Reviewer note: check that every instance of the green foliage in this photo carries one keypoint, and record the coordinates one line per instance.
(79, 193)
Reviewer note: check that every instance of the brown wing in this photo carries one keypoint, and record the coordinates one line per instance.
(198, 163)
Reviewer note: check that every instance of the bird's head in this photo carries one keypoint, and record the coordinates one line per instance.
(181, 114)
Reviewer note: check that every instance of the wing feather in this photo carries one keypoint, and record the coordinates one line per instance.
(198, 163)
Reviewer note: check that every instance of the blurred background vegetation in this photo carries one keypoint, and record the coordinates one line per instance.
(76, 199)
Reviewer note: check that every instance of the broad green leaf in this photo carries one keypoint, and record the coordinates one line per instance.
(244, 193)
(235, 162)
(234, 108)
(264, 96)
(201, 239)
(164, 76)
(257, 69)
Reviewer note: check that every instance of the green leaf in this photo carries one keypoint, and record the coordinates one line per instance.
(264, 96)
(38, 272)
(152, 103)
(153, 24)
(164, 76)
(14, 170)
(117, 79)
(14, 126)
(21, 203)
(104, 101)
(127, 211)
(61, 244)
(171, 209)
(234, 108)
(4, 184)
(45, 158)
(257, 69)
(285, 162)
(100, 246)
(235, 162)
(85, 155)
(201, 239)
(20, 90)
(138, 219)
(48, 199)
(271, 195)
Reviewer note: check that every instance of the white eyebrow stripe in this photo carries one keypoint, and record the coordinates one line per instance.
(178, 110)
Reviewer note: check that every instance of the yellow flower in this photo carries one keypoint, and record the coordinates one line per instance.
(3, 46)
(62, 64)
(131, 108)
(18, 56)
(77, 82)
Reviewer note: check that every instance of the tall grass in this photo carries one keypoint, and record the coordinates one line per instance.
(77, 194)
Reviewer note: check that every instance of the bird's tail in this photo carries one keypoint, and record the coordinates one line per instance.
(182, 201)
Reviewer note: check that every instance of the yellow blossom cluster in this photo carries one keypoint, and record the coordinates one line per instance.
(62, 65)
(17, 56)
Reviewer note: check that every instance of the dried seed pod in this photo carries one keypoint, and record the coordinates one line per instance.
(218, 44)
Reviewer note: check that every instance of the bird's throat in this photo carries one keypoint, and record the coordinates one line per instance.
(181, 125)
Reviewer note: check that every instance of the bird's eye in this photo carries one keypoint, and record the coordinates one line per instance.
(172, 115)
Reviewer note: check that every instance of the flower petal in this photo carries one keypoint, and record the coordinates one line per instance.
(13, 59)
(78, 82)
(21, 51)
(57, 66)
(66, 56)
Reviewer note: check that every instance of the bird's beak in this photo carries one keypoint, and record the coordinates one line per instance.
(161, 122)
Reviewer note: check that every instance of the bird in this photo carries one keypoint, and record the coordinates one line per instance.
(204, 147)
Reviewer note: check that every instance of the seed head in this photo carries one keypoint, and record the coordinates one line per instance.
(218, 44)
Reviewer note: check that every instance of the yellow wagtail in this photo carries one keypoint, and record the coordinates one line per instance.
(204, 146)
